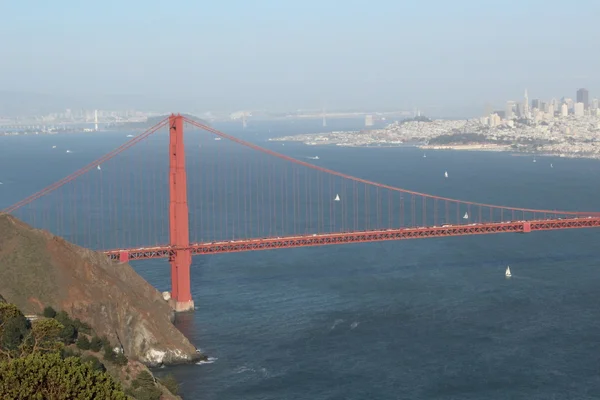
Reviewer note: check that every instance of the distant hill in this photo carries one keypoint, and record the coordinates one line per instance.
(151, 122)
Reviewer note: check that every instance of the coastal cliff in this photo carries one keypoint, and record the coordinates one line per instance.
(38, 269)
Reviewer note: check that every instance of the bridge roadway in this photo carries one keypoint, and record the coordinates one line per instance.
(144, 253)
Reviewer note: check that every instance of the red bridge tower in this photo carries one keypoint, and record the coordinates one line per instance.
(179, 232)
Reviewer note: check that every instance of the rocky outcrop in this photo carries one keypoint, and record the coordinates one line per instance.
(38, 269)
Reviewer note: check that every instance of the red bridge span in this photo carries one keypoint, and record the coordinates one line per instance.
(221, 194)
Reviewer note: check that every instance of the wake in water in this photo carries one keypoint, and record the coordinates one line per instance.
(336, 323)
(209, 360)
(260, 370)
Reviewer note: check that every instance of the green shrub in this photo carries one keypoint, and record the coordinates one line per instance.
(109, 355)
(49, 312)
(48, 376)
(67, 352)
(96, 344)
(94, 362)
(68, 334)
(144, 387)
(83, 343)
(120, 359)
(170, 383)
(82, 327)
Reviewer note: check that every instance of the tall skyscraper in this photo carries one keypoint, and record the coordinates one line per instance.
(526, 105)
(583, 97)
(535, 103)
(564, 110)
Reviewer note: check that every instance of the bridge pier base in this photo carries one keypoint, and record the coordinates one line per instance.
(183, 306)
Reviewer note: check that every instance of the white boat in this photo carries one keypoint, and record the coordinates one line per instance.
(68, 151)
(315, 157)
(217, 138)
(551, 166)
(424, 155)
(507, 273)
(337, 197)
(129, 135)
(53, 147)
(445, 174)
(99, 169)
(466, 216)
(534, 160)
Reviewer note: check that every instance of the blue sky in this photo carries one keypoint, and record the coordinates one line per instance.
(228, 55)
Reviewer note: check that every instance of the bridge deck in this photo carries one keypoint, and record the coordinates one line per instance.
(166, 251)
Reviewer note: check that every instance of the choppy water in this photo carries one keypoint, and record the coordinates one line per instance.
(425, 319)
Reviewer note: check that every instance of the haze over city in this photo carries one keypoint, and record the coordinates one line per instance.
(445, 58)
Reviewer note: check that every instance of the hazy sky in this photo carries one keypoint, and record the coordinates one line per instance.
(285, 54)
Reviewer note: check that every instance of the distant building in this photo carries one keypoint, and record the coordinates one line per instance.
(369, 120)
(494, 120)
(564, 110)
(501, 114)
(579, 109)
(550, 111)
(535, 103)
(519, 110)
(510, 110)
(594, 104)
(583, 97)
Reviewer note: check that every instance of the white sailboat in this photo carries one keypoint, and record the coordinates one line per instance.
(534, 160)
(445, 174)
(466, 216)
(99, 169)
(337, 197)
(551, 166)
(507, 273)
(424, 155)
(53, 147)
(68, 151)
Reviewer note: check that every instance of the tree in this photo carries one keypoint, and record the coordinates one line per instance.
(47, 376)
(43, 337)
(49, 312)
(96, 344)
(69, 333)
(13, 329)
(83, 343)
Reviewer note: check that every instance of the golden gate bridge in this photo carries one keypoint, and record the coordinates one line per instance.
(245, 197)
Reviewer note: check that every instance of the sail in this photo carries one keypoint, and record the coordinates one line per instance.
(446, 174)
(507, 273)
(466, 216)
(337, 197)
